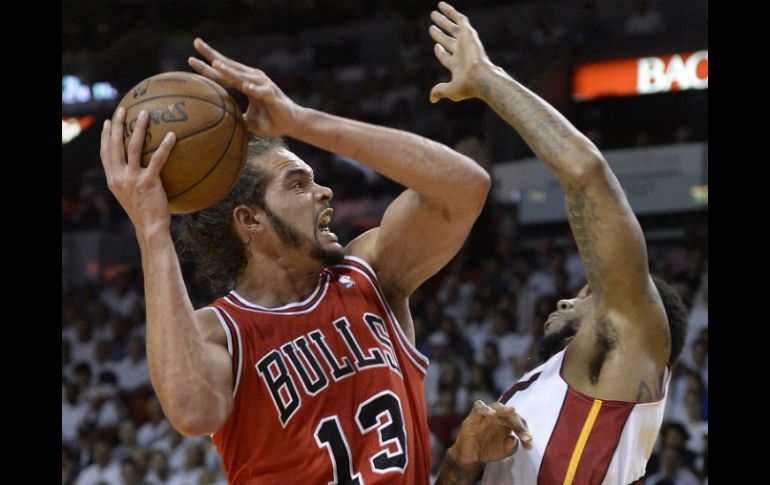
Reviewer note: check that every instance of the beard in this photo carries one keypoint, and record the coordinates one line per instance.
(295, 239)
(554, 342)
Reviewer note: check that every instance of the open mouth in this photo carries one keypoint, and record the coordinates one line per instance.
(325, 220)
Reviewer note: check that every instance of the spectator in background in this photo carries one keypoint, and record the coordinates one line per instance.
(511, 345)
(502, 371)
(159, 473)
(174, 445)
(84, 344)
(128, 444)
(480, 386)
(699, 315)
(193, 466)
(104, 470)
(546, 32)
(102, 361)
(694, 423)
(505, 48)
(74, 413)
(67, 365)
(576, 275)
(674, 435)
(69, 465)
(588, 29)
(155, 428)
(107, 402)
(130, 472)
(132, 369)
(697, 359)
(671, 469)
(644, 21)
(122, 295)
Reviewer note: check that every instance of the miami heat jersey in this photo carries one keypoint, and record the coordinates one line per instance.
(576, 439)
(326, 391)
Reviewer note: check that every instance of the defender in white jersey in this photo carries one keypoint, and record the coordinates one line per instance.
(592, 411)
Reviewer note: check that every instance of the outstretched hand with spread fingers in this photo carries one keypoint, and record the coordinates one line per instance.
(459, 49)
(270, 111)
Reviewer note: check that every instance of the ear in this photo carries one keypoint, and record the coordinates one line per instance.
(249, 219)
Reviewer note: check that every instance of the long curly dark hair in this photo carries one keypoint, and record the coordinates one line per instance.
(208, 237)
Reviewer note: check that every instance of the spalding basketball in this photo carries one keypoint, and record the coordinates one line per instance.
(211, 139)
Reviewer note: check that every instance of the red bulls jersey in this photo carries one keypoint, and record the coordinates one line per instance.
(326, 391)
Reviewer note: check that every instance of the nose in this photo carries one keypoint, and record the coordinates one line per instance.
(324, 193)
(565, 305)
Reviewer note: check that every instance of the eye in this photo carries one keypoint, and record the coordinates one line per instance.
(296, 185)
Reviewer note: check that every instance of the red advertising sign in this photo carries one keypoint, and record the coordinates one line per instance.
(644, 75)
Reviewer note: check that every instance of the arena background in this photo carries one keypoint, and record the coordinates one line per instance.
(647, 110)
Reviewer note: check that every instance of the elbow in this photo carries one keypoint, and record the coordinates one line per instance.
(479, 185)
(195, 420)
(587, 168)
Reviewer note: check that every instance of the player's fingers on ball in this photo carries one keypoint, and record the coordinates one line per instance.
(161, 154)
(104, 145)
(136, 143)
(117, 151)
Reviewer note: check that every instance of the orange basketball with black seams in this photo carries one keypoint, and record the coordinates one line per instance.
(211, 138)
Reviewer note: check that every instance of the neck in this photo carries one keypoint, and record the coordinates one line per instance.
(275, 281)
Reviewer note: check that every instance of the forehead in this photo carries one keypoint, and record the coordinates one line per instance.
(283, 163)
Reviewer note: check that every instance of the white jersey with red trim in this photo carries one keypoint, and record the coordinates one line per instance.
(576, 439)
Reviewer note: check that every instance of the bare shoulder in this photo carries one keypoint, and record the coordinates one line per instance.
(209, 326)
(363, 246)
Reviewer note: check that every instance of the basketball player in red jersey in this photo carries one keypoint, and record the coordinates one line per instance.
(304, 370)
(594, 408)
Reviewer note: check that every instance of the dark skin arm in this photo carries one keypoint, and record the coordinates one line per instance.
(628, 313)
(489, 433)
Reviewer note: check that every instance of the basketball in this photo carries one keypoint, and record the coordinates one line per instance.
(211, 139)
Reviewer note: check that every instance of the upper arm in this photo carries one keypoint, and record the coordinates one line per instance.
(216, 350)
(216, 401)
(614, 254)
(416, 238)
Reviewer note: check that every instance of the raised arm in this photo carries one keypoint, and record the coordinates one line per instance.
(608, 235)
(187, 357)
(426, 225)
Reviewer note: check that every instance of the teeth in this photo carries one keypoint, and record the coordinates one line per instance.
(325, 220)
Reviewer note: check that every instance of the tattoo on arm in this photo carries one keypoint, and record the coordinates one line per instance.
(581, 212)
(541, 126)
(451, 473)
